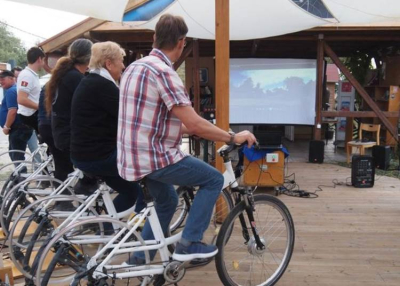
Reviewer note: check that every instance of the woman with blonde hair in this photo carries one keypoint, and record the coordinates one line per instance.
(94, 123)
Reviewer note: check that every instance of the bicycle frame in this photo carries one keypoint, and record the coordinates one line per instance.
(160, 242)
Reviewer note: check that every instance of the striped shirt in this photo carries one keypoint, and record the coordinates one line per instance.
(149, 135)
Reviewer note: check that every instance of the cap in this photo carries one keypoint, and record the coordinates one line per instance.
(4, 74)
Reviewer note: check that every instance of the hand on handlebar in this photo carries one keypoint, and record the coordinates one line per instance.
(244, 136)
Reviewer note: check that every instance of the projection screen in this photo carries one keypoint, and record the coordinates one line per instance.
(272, 91)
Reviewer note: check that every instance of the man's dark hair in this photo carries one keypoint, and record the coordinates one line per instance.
(169, 30)
(17, 68)
(4, 74)
(34, 54)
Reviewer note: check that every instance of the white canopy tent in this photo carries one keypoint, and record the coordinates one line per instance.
(111, 10)
(364, 11)
(248, 19)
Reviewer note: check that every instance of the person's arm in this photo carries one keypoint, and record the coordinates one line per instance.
(25, 101)
(185, 130)
(11, 115)
(199, 126)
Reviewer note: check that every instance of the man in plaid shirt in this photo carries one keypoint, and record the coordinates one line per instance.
(154, 112)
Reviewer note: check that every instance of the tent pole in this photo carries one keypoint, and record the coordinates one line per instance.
(320, 85)
(221, 70)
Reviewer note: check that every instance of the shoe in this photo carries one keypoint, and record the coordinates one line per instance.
(136, 218)
(86, 187)
(193, 251)
(64, 206)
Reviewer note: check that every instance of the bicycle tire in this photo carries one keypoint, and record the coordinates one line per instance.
(9, 205)
(231, 235)
(62, 235)
(183, 193)
(52, 266)
(18, 247)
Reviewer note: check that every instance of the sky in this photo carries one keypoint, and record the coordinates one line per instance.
(37, 22)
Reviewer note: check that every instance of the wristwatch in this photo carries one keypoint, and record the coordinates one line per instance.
(231, 141)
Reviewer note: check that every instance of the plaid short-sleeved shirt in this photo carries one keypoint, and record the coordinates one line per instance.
(149, 135)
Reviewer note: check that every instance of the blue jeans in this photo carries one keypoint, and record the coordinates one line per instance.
(189, 171)
(17, 140)
(129, 192)
(33, 146)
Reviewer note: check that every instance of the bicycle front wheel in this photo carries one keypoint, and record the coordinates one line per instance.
(239, 261)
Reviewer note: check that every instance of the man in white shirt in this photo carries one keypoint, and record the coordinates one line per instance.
(28, 88)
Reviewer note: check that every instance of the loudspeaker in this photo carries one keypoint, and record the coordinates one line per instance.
(316, 151)
(362, 171)
(381, 156)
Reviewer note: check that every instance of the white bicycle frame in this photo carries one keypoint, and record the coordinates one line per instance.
(160, 242)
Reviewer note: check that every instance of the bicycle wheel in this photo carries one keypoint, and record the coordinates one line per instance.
(186, 195)
(24, 194)
(239, 261)
(38, 223)
(73, 248)
(222, 208)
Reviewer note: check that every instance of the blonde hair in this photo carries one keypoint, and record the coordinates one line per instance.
(105, 51)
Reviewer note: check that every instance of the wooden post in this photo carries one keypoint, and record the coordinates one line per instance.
(221, 84)
(186, 52)
(221, 70)
(320, 85)
(196, 87)
(360, 89)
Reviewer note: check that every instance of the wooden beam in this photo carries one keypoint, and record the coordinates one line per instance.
(196, 87)
(196, 78)
(254, 47)
(320, 86)
(221, 70)
(392, 129)
(186, 52)
(124, 37)
(359, 114)
(69, 35)
(76, 31)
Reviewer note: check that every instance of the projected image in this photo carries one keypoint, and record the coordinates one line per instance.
(272, 91)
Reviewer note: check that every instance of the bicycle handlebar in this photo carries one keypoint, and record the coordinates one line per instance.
(226, 149)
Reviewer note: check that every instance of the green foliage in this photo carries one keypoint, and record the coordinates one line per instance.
(11, 47)
(359, 64)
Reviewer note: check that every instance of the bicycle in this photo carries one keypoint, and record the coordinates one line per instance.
(74, 248)
(47, 221)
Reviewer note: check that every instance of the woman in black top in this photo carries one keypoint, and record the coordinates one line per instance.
(94, 124)
(62, 161)
(66, 76)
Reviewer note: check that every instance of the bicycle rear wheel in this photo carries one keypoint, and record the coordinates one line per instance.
(239, 261)
(69, 252)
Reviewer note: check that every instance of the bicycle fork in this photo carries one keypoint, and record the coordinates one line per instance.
(249, 202)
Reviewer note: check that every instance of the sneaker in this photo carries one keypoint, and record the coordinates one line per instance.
(64, 206)
(193, 251)
(85, 187)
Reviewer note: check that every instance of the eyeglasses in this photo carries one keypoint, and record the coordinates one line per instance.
(184, 43)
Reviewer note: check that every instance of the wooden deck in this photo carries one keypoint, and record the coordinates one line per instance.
(346, 237)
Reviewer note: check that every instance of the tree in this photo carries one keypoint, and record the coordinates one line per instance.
(11, 47)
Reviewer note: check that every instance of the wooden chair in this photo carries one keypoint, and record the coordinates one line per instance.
(359, 144)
